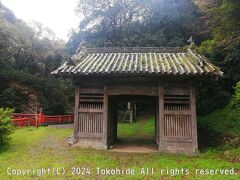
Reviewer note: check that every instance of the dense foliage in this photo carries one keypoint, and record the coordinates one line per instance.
(6, 127)
(28, 53)
(236, 97)
(223, 45)
(222, 126)
(210, 96)
(31, 52)
(136, 23)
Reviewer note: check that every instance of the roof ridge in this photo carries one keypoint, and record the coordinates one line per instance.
(134, 50)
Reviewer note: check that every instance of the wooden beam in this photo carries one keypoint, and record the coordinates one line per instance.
(177, 112)
(132, 90)
(92, 96)
(176, 102)
(90, 110)
(76, 111)
(194, 118)
(161, 119)
(181, 92)
(178, 139)
(96, 90)
(91, 100)
(136, 99)
(105, 116)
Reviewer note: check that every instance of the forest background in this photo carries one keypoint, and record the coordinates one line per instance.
(29, 52)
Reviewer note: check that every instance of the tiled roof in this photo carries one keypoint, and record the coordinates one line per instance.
(142, 61)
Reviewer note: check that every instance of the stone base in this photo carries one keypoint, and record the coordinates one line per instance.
(169, 147)
(178, 148)
(90, 143)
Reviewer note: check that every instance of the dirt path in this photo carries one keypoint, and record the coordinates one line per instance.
(142, 121)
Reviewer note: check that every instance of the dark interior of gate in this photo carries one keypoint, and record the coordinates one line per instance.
(175, 114)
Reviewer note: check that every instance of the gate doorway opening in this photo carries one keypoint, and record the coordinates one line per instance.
(134, 123)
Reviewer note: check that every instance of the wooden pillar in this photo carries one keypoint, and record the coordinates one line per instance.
(105, 116)
(161, 119)
(194, 118)
(157, 120)
(131, 112)
(135, 111)
(76, 111)
(115, 117)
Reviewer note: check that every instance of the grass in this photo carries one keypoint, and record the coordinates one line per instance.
(35, 148)
(140, 128)
(149, 127)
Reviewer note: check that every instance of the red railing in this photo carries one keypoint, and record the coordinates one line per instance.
(22, 120)
(58, 119)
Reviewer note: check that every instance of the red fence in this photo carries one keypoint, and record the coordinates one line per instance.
(22, 120)
(58, 119)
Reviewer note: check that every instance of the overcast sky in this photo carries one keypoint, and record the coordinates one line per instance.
(58, 15)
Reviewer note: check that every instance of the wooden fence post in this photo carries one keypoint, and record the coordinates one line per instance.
(59, 120)
(41, 119)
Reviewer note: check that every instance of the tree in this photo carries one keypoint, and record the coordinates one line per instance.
(28, 53)
(135, 23)
(28, 47)
(223, 24)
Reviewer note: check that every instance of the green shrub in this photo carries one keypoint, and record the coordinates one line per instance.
(6, 127)
(222, 126)
(236, 97)
(209, 93)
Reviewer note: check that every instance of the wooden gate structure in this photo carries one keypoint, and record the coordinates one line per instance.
(166, 74)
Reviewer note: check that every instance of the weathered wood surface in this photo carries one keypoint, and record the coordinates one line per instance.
(161, 118)
(105, 116)
(157, 120)
(120, 90)
(76, 113)
(194, 118)
(177, 119)
(175, 125)
(90, 113)
(93, 90)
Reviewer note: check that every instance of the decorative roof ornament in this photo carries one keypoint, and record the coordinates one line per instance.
(81, 51)
(192, 43)
(70, 62)
(82, 47)
(201, 61)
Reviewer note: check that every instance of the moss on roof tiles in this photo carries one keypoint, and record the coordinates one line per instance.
(138, 60)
